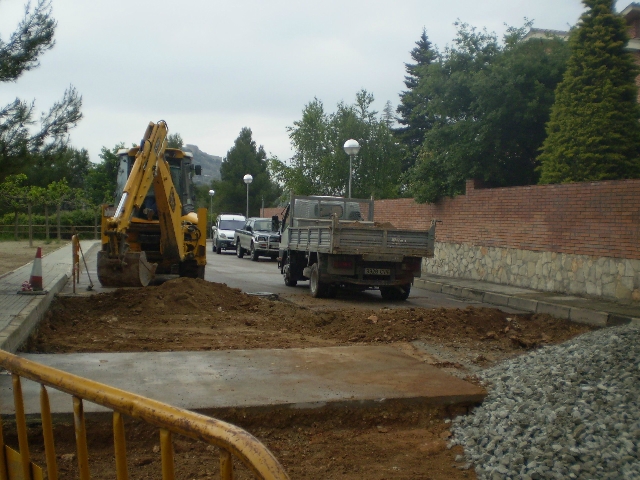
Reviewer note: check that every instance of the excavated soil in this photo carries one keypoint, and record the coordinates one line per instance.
(390, 441)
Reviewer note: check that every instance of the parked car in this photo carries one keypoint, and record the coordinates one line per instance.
(223, 232)
(258, 237)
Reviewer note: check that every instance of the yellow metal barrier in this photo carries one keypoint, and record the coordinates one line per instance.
(232, 441)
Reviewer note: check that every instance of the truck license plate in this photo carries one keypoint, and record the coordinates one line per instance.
(377, 271)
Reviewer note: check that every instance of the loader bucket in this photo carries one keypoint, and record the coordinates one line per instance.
(134, 271)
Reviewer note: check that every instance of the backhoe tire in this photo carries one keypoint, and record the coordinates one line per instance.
(239, 250)
(254, 253)
(318, 289)
(191, 269)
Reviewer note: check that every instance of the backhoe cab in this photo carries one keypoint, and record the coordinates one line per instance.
(154, 228)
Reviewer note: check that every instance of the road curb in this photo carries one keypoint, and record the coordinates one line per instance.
(558, 311)
(21, 326)
(573, 314)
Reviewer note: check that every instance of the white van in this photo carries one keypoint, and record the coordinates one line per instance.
(223, 232)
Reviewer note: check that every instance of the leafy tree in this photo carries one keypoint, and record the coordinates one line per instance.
(101, 178)
(18, 145)
(321, 167)
(58, 193)
(593, 133)
(231, 191)
(489, 103)
(14, 194)
(414, 117)
(174, 140)
(35, 196)
(68, 162)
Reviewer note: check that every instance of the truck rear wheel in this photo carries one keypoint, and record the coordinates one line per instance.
(289, 281)
(400, 292)
(239, 249)
(318, 289)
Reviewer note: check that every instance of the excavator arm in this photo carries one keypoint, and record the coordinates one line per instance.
(118, 266)
(142, 174)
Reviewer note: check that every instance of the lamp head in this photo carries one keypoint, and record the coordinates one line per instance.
(247, 179)
(351, 147)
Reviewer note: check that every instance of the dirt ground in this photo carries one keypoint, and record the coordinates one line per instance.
(390, 441)
(15, 254)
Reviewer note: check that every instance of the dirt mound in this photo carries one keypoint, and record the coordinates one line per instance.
(190, 314)
(181, 296)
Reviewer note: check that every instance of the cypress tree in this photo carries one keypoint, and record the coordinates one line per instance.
(593, 132)
(414, 118)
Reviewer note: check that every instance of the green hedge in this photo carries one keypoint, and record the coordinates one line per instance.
(69, 218)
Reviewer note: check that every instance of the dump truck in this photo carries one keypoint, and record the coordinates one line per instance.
(154, 229)
(334, 242)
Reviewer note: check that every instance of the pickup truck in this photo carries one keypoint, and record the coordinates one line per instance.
(258, 237)
(333, 242)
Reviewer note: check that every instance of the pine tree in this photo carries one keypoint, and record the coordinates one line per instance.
(20, 145)
(593, 132)
(414, 118)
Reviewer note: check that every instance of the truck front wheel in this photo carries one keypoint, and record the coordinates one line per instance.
(239, 249)
(318, 289)
(254, 253)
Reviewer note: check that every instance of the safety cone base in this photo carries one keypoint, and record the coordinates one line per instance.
(33, 292)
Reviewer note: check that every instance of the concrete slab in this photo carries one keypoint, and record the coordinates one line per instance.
(303, 378)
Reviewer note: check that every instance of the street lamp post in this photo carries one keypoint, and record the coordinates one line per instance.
(211, 192)
(247, 179)
(351, 148)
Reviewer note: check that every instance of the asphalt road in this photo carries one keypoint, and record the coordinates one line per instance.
(264, 276)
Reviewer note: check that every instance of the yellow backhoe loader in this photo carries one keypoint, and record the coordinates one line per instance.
(152, 230)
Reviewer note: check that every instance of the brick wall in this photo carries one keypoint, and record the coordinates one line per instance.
(599, 219)
(271, 211)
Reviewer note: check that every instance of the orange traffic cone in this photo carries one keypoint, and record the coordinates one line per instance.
(36, 272)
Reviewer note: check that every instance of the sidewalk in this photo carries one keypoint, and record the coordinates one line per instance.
(19, 314)
(592, 311)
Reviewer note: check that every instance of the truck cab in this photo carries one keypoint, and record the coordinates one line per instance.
(223, 232)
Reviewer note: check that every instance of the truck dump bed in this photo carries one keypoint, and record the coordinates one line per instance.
(359, 237)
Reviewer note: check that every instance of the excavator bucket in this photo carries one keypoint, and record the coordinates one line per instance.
(133, 271)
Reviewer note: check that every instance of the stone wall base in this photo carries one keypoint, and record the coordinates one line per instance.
(604, 277)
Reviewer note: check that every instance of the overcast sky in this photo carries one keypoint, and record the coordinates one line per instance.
(209, 67)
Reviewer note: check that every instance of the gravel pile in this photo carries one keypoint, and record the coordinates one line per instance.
(566, 411)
